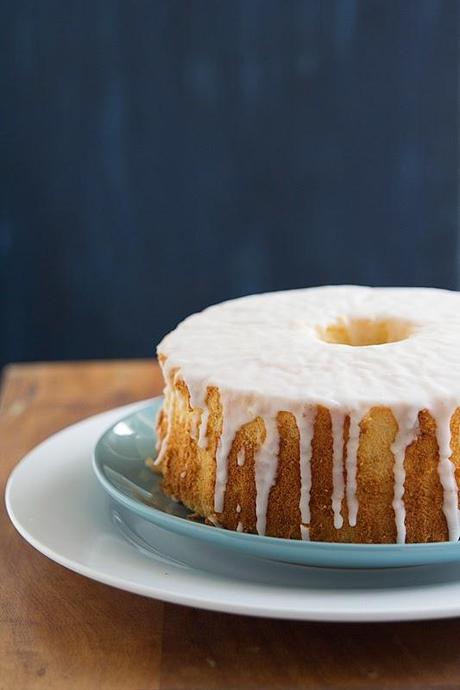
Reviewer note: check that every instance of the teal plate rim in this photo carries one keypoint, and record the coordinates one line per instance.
(325, 554)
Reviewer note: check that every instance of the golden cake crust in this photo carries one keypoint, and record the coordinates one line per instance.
(189, 474)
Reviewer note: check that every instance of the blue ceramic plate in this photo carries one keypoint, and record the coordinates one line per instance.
(120, 465)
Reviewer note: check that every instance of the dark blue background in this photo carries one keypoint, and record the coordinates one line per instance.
(160, 156)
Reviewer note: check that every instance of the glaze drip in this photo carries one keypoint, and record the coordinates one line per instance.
(446, 470)
(194, 425)
(304, 533)
(203, 433)
(162, 446)
(406, 434)
(240, 457)
(352, 466)
(338, 485)
(234, 416)
(266, 465)
(304, 421)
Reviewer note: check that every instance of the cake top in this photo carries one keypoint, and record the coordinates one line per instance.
(337, 346)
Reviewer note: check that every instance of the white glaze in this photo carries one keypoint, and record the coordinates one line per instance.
(446, 470)
(162, 444)
(265, 350)
(194, 425)
(203, 432)
(266, 464)
(305, 423)
(304, 533)
(159, 440)
(234, 416)
(352, 465)
(338, 483)
(240, 457)
(406, 434)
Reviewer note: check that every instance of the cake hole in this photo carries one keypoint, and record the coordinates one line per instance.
(363, 332)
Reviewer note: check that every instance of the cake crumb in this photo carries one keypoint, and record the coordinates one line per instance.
(212, 520)
(150, 463)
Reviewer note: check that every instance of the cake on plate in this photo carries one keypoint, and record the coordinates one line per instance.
(329, 414)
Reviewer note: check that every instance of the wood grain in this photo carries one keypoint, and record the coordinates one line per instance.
(59, 630)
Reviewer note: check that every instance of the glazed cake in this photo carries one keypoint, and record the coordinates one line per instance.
(329, 414)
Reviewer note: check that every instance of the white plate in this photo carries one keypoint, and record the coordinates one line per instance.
(56, 504)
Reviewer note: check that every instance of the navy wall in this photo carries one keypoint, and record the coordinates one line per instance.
(159, 156)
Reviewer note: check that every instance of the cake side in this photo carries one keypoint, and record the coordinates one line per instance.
(189, 473)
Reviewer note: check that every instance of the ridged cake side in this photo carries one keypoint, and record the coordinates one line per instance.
(189, 438)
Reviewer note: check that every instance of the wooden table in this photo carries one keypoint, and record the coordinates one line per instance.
(59, 630)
